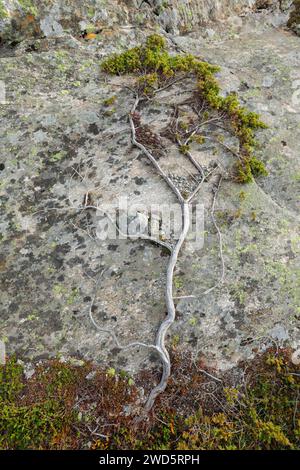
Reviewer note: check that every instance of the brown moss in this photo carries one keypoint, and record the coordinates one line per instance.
(63, 406)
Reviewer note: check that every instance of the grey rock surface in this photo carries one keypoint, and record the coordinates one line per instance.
(27, 18)
(59, 140)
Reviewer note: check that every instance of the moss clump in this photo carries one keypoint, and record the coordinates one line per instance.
(33, 427)
(11, 380)
(148, 83)
(61, 403)
(128, 62)
(155, 68)
(250, 167)
(257, 167)
(153, 58)
(109, 101)
(39, 418)
(184, 149)
(29, 7)
(3, 11)
(41, 412)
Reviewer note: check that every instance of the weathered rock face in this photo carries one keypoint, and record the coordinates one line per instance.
(38, 18)
(62, 135)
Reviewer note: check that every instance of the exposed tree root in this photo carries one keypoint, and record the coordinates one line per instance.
(160, 342)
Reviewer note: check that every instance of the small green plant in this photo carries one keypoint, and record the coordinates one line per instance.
(199, 139)
(184, 149)
(109, 101)
(242, 196)
(29, 7)
(11, 380)
(57, 157)
(156, 68)
(178, 282)
(148, 83)
(111, 372)
(3, 11)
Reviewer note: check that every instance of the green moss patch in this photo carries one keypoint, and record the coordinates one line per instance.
(155, 68)
(3, 11)
(65, 406)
